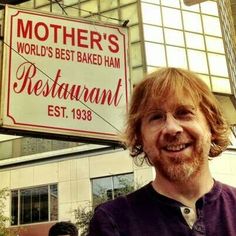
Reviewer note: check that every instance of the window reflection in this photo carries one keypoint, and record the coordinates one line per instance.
(155, 54)
(131, 13)
(170, 3)
(153, 33)
(211, 25)
(108, 188)
(192, 22)
(34, 205)
(197, 61)
(172, 18)
(173, 53)
(221, 85)
(210, 8)
(151, 14)
(218, 64)
(194, 8)
(174, 37)
(195, 41)
(214, 44)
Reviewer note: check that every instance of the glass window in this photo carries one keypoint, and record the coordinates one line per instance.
(197, 61)
(192, 22)
(211, 25)
(88, 7)
(72, 11)
(53, 195)
(130, 13)
(110, 16)
(107, 188)
(155, 54)
(153, 33)
(214, 44)
(194, 7)
(174, 37)
(150, 1)
(172, 18)
(151, 14)
(206, 79)
(70, 2)
(170, 3)
(218, 64)
(221, 85)
(173, 53)
(195, 41)
(39, 3)
(106, 5)
(34, 205)
(210, 8)
(55, 8)
(14, 207)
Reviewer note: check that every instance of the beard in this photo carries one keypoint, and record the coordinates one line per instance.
(180, 168)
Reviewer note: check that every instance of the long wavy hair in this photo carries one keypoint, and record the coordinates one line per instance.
(168, 83)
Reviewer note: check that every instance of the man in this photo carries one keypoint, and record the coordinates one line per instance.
(63, 229)
(175, 123)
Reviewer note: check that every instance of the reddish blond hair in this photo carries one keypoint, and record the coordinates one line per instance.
(174, 81)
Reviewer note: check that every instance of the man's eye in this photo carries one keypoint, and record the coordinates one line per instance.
(156, 117)
(183, 113)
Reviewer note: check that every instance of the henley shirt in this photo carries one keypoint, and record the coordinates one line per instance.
(145, 212)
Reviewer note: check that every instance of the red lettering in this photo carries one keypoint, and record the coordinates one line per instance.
(25, 72)
(28, 82)
(25, 32)
(82, 35)
(114, 47)
(55, 32)
(95, 39)
(69, 35)
(41, 28)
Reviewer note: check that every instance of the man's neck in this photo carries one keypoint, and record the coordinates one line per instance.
(187, 192)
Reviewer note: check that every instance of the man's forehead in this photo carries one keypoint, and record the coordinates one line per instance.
(171, 103)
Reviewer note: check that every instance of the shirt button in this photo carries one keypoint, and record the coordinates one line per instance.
(186, 211)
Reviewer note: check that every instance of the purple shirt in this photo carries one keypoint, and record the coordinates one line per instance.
(148, 213)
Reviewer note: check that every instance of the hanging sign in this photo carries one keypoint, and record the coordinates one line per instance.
(64, 75)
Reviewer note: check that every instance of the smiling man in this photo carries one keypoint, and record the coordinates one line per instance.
(175, 124)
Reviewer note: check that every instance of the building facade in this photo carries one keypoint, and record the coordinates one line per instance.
(49, 179)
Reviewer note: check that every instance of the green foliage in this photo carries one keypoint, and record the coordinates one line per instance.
(83, 215)
(3, 219)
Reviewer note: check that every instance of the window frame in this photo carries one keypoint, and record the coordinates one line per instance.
(17, 207)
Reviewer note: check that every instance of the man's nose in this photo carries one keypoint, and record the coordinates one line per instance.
(172, 126)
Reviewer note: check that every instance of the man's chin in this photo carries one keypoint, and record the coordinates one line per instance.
(180, 173)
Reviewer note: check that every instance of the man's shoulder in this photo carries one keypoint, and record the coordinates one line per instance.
(228, 189)
(122, 203)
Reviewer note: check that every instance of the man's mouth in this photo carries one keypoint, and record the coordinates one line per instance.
(176, 147)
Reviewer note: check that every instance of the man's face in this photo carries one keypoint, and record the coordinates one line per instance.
(176, 138)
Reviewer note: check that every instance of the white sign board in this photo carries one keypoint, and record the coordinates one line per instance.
(64, 75)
